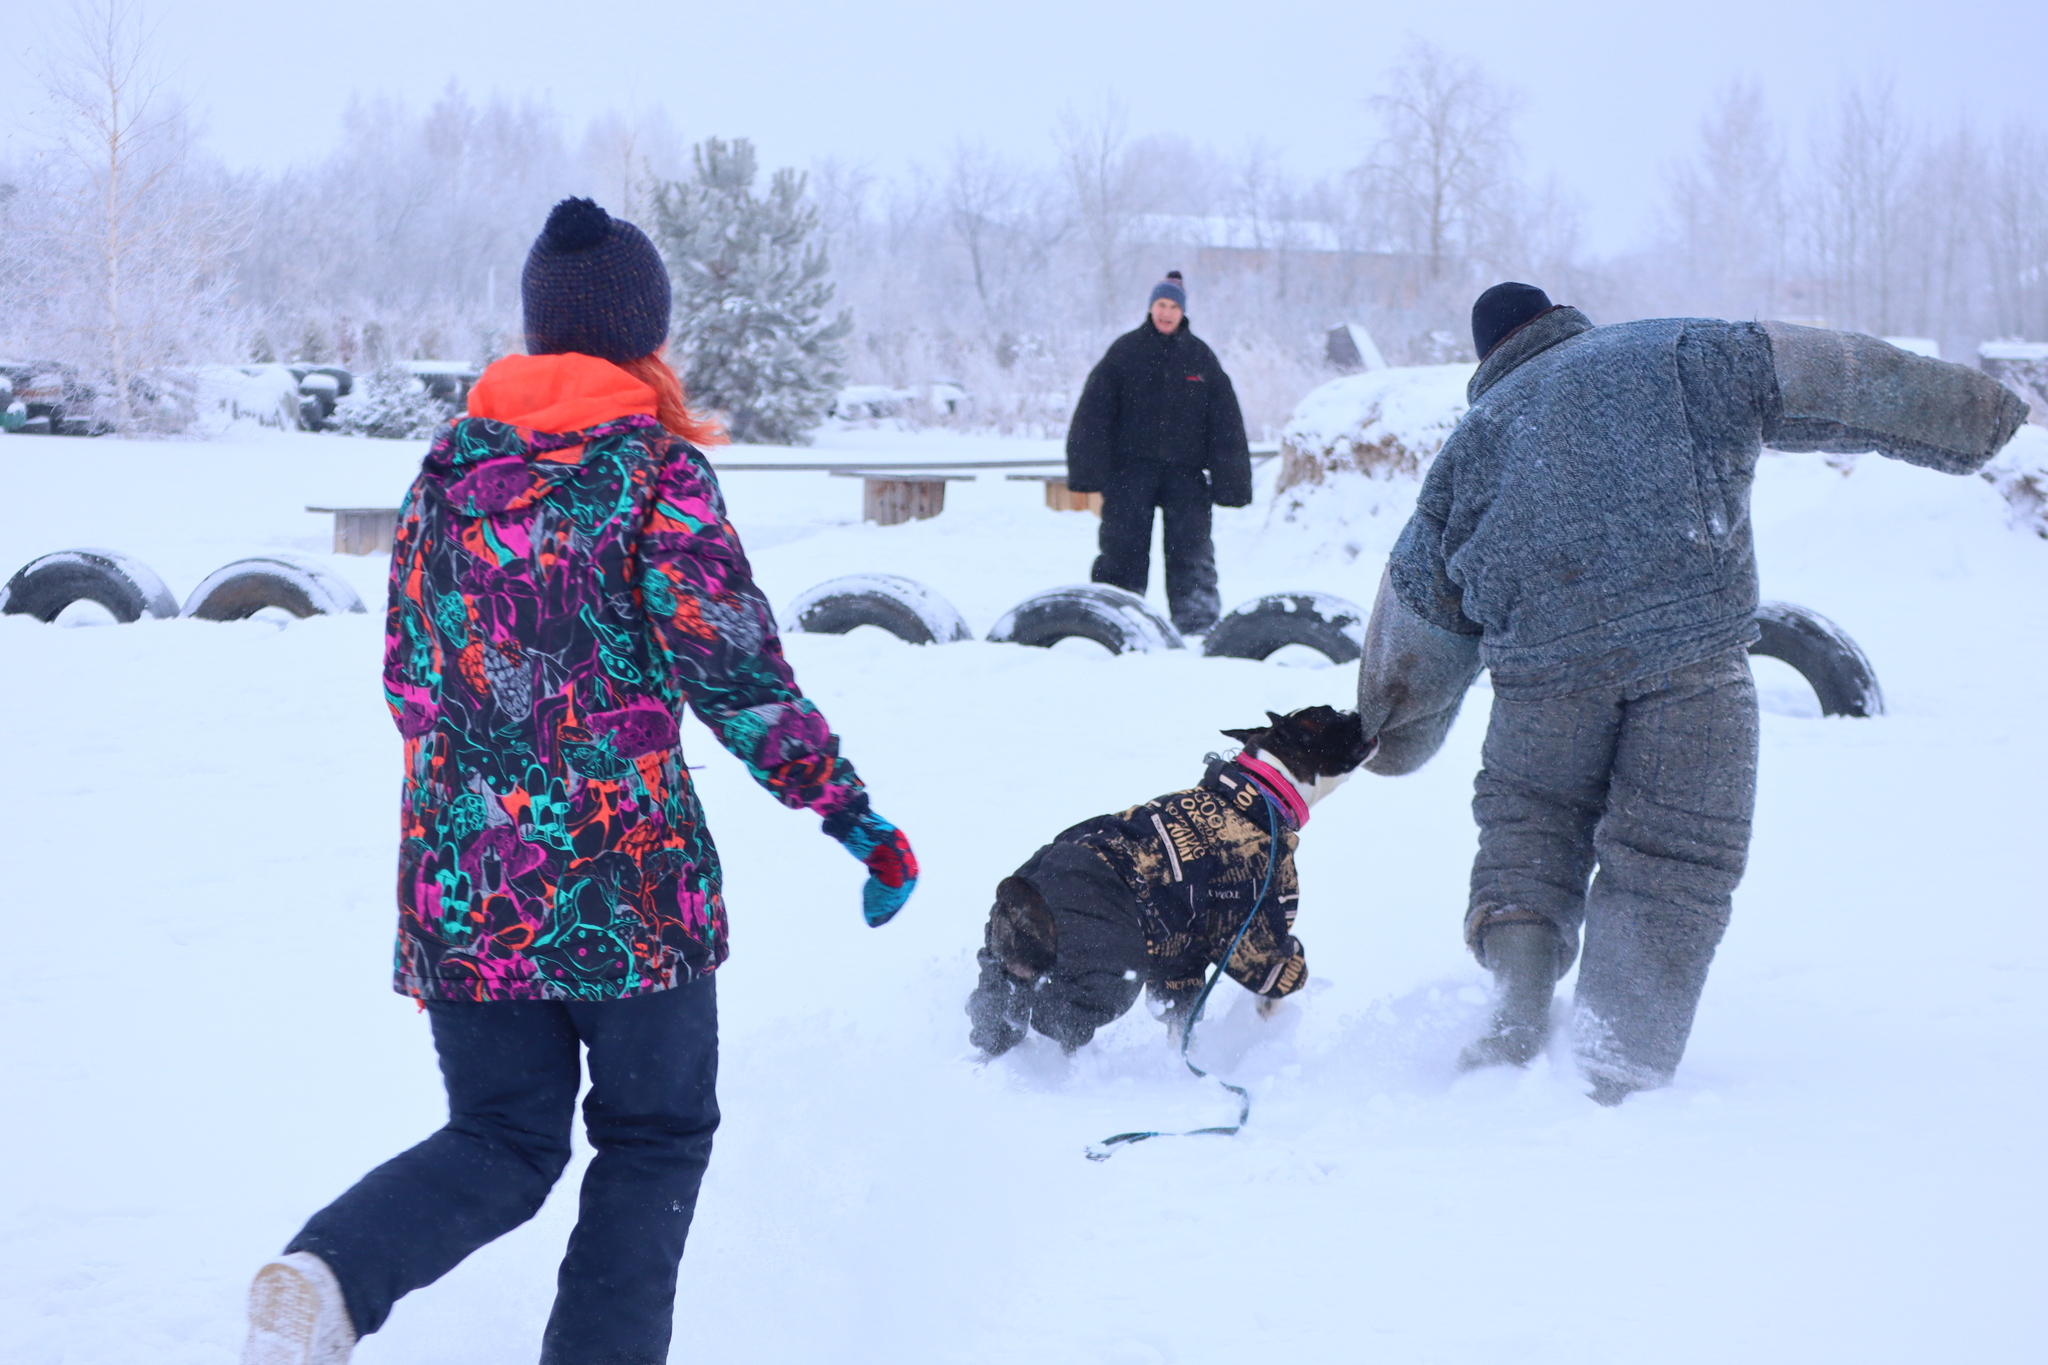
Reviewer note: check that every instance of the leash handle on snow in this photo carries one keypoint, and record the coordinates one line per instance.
(1107, 1148)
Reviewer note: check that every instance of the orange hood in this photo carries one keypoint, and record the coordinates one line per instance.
(557, 393)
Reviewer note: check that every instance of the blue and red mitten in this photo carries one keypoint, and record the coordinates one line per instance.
(892, 867)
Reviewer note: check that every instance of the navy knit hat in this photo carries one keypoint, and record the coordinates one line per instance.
(595, 285)
(1501, 310)
(1170, 288)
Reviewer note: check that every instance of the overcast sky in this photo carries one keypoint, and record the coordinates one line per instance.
(1613, 88)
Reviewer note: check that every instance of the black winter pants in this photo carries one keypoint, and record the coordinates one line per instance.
(1653, 782)
(512, 1073)
(1100, 958)
(1125, 561)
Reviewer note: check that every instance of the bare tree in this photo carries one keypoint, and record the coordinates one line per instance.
(2016, 232)
(1099, 177)
(1445, 155)
(625, 155)
(149, 247)
(1862, 172)
(1938, 266)
(1727, 212)
(980, 193)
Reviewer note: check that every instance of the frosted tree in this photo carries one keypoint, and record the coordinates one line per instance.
(1445, 161)
(751, 290)
(1863, 167)
(980, 197)
(1727, 213)
(142, 235)
(1101, 177)
(2016, 231)
(392, 403)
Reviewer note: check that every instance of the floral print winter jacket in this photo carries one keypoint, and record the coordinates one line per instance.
(556, 596)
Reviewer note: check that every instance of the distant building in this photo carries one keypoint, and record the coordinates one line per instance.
(1291, 257)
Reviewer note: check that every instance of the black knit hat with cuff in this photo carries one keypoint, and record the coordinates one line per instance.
(595, 285)
(1501, 310)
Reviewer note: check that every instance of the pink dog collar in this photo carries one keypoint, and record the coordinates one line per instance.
(1275, 783)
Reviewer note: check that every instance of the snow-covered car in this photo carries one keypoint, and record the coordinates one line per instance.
(55, 401)
(871, 402)
(320, 388)
(447, 381)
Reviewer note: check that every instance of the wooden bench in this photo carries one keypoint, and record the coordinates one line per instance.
(892, 497)
(1059, 497)
(362, 530)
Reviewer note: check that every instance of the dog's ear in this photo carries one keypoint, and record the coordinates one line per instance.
(1276, 718)
(1245, 737)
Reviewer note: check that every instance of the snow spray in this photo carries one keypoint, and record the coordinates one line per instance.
(1107, 1148)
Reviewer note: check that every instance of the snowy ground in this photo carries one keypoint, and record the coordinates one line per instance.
(199, 829)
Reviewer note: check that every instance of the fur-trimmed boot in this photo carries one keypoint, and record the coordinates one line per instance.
(1523, 958)
(297, 1315)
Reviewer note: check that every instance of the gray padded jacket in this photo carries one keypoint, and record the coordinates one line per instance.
(1588, 521)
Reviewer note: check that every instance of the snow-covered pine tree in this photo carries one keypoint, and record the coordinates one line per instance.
(750, 293)
(391, 402)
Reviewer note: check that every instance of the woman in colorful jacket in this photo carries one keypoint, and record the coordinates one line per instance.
(562, 582)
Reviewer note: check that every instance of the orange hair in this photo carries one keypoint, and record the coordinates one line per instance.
(671, 405)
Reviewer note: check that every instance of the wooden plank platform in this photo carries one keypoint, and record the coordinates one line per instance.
(1058, 496)
(890, 497)
(362, 530)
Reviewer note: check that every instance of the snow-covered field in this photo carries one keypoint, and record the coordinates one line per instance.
(202, 1046)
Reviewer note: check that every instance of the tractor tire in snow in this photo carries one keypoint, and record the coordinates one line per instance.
(1831, 662)
(1117, 620)
(126, 587)
(241, 589)
(1329, 625)
(904, 607)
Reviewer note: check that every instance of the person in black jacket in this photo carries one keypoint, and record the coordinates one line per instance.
(1158, 426)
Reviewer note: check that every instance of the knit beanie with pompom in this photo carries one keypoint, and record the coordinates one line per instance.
(595, 285)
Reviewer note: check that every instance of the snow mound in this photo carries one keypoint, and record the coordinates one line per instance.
(2020, 474)
(1381, 422)
(267, 395)
(1352, 455)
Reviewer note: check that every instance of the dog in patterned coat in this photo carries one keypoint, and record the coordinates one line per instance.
(1150, 898)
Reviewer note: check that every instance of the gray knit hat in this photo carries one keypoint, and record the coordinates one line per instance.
(595, 285)
(1172, 287)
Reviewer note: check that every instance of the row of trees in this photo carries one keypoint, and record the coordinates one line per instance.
(1874, 223)
(124, 250)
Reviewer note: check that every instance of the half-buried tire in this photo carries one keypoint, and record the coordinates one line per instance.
(1119, 621)
(1832, 663)
(239, 590)
(904, 607)
(1329, 625)
(126, 587)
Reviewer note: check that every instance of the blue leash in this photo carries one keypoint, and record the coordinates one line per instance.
(1105, 1149)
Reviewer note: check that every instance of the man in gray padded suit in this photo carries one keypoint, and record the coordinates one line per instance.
(1585, 536)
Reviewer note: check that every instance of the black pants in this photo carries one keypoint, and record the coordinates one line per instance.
(1125, 561)
(1101, 960)
(512, 1073)
(1653, 783)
